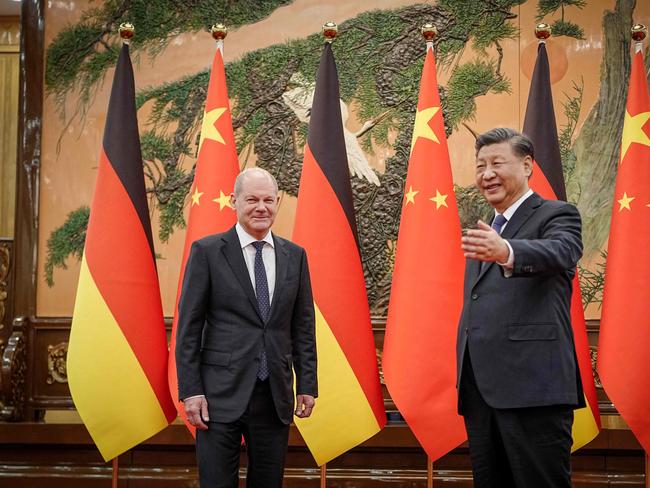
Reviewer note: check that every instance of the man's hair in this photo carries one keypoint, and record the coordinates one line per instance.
(521, 144)
(239, 181)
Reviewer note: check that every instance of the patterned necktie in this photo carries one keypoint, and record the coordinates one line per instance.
(498, 223)
(263, 302)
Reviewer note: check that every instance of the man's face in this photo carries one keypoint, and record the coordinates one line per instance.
(256, 205)
(501, 175)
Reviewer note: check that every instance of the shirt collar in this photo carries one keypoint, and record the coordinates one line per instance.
(245, 239)
(510, 211)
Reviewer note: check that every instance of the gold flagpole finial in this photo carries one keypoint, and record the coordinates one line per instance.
(330, 31)
(127, 31)
(542, 31)
(429, 32)
(219, 32)
(639, 32)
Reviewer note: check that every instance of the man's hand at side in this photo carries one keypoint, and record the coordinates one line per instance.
(304, 405)
(196, 409)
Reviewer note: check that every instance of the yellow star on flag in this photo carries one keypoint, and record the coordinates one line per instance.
(208, 129)
(441, 200)
(223, 200)
(625, 202)
(633, 131)
(410, 196)
(196, 196)
(422, 127)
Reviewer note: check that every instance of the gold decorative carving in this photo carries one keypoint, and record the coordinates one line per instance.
(593, 353)
(13, 370)
(5, 261)
(379, 354)
(56, 363)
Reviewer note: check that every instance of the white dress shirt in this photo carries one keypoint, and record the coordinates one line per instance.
(510, 211)
(268, 255)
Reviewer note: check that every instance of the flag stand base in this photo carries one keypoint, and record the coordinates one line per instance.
(429, 473)
(115, 472)
(323, 475)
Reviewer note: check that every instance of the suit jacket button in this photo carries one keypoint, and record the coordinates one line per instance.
(475, 296)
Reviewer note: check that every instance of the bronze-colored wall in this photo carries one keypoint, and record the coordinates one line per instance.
(72, 133)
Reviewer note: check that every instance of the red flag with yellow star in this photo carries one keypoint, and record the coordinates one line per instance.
(624, 344)
(419, 359)
(548, 181)
(217, 167)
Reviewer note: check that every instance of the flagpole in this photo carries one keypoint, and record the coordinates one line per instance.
(116, 471)
(323, 476)
(126, 33)
(639, 33)
(429, 472)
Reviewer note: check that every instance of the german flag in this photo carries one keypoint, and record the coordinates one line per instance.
(427, 291)
(117, 356)
(214, 180)
(548, 181)
(624, 344)
(350, 408)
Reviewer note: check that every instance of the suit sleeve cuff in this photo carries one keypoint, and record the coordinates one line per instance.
(193, 396)
(509, 265)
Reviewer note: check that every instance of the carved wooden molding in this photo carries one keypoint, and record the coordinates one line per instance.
(56, 363)
(593, 353)
(13, 372)
(5, 266)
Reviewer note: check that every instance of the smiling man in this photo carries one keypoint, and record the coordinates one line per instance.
(518, 379)
(246, 323)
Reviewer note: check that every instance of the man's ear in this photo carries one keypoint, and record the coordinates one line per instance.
(232, 200)
(528, 166)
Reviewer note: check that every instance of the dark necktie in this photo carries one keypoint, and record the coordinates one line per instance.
(263, 302)
(498, 223)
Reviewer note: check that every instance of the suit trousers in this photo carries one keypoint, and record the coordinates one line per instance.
(218, 449)
(515, 447)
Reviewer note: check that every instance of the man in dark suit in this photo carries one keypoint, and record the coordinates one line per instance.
(518, 379)
(246, 318)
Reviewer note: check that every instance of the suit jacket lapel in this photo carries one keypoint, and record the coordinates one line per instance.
(235, 258)
(482, 268)
(524, 211)
(474, 269)
(281, 261)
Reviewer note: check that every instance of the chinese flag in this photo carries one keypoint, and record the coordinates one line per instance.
(548, 181)
(117, 357)
(350, 407)
(214, 180)
(624, 345)
(419, 358)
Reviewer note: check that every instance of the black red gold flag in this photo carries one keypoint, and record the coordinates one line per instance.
(548, 181)
(350, 408)
(117, 355)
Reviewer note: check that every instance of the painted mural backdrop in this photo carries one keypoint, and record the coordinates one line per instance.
(485, 52)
